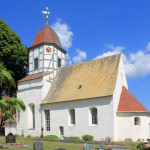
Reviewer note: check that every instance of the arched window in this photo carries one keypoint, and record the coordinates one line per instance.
(61, 131)
(47, 120)
(94, 115)
(31, 116)
(72, 116)
(136, 121)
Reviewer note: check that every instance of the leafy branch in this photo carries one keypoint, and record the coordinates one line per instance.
(9, 105)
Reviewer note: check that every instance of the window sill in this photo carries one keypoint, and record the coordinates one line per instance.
(93, 125)
(71, 125)
(31, 129)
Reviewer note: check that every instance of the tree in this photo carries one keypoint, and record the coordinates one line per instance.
(13, 54)
(8, 105)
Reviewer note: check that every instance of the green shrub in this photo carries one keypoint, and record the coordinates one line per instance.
(73, 139)
(22, 135)
(142, 145)
(51, 137)
(28, 136)
(16, 135)
(88, 138)
(108, 139)
(1, 135)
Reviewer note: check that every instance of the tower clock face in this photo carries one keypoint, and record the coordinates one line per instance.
(48, 50)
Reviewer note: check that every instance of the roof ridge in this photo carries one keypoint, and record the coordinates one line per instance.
(93, 60)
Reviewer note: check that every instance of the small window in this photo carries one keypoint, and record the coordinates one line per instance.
(59, 62)
(136, 121)
(36, 64)
(72, 116)
(94, 115)
(47, 120)
(80, 86)
(61, 131)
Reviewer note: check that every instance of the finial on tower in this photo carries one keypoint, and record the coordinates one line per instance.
(47, 13)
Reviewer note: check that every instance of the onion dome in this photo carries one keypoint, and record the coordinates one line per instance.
(46, 35)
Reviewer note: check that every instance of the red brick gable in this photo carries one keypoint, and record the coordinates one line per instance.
(128, 103)
(35, 76)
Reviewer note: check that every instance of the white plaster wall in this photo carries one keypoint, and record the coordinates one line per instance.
(36, 53)
(30, 115)
(46, 60)
(41, 65)
(10, 129)
(124, 122)
(33, 91)
(59, 116)
(121, 81)
(41, 55)
(127, 129)
(30, 84)
(51, 59)
(61, 55)
(32, 95)
(47, 84)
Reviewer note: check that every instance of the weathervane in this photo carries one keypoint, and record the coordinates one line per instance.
(47, 13)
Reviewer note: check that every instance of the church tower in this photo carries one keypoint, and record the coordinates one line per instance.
(46, 56)
(46, 53)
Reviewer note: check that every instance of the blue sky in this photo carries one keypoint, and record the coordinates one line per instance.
(90, 29)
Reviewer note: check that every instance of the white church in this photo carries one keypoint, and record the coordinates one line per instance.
(86, 98)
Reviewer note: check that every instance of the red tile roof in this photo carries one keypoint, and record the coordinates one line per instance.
(128, 103)
(35, 76)
(48, 35)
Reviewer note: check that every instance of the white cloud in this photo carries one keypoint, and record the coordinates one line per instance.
(68, 60)
(64, 33)
(136, 64)
(148, 46)
(113, 50)
(80, 57)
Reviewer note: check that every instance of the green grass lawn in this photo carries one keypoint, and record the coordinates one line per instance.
(49, 145)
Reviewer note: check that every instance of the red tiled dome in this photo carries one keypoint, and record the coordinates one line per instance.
(48, 35)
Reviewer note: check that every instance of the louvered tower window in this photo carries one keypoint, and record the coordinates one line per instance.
(59, 62)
